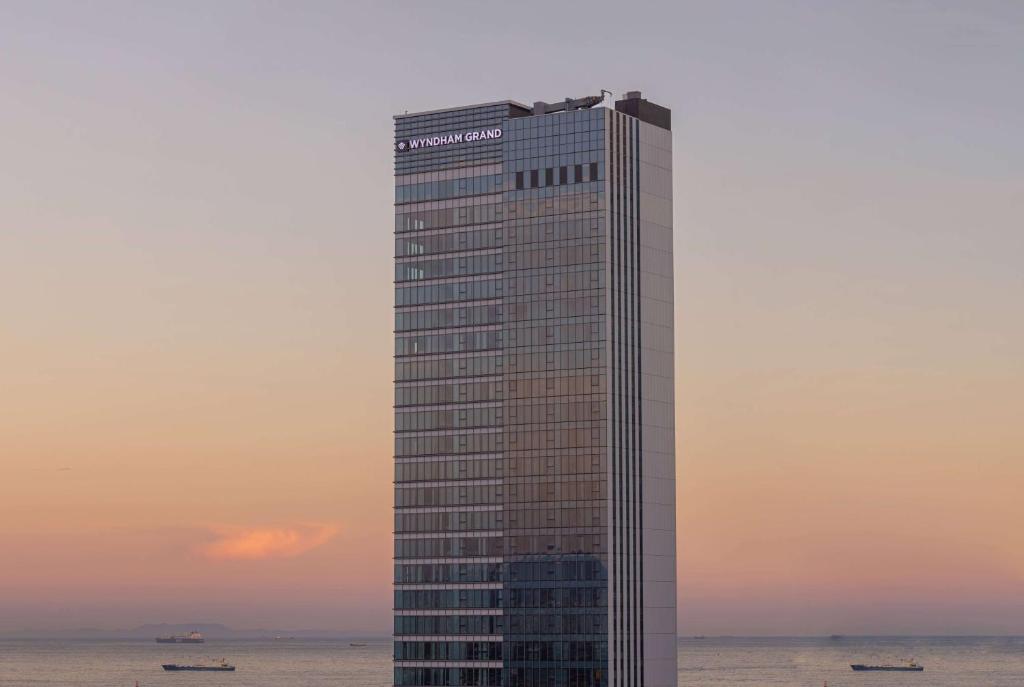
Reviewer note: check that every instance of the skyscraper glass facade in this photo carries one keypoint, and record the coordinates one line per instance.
(518, 435)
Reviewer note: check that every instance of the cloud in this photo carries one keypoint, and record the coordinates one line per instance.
(259, 543)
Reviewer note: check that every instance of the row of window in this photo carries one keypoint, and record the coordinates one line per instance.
(555, 149)
(537, 491)
(447, 651)
(449, 547)
(525, 232)
(536, 335)
(491, 442)
(473, 494)
(580, 622)
(418, 220)
(510, 545)
(551, 359)
(549, 466)
(449, 267)
(584, 332)
(593, 676)
(534, 311)
(563, 124)
(457, 677)
(576, 256)
(558, 176)
(559, 411)
(578, 462)
(516, 385)
(553, 308)
(553, 201)
(586, 386)
(572, 144)
(540, 597)
(537, 518)
(548, 360)
(413, 599)
(553, 384)
(595, 596)
(436, 470)
(465, 392)
(440, 573)
(565, 121)
(450, 188)
(564, 254)
(478, 521)
(588, 569)
(581, 569)
(539, 203)
(463, 521)
(553, 152)
(491, 237)
(564, 622)
(449, 444)
(426, 420)
(534, 651)
(546, 490)
(458, 342)
(585, 278)
(449, 624)
(527, 413)
(441, 318)
(449, 293)
(562, 228)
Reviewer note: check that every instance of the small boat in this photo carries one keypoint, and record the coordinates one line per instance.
(194, 637)
(219, 666)
(909, 667)
(356, 644)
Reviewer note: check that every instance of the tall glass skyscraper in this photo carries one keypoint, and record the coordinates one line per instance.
(534, 431)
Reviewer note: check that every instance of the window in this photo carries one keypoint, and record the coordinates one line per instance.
(578, 171)
(563, 175)
(519, 181)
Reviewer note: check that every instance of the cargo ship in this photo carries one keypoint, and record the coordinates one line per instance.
(221, 665)
(909, 667)
(190, 638)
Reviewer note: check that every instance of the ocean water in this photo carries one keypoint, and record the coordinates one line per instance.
(711, 662)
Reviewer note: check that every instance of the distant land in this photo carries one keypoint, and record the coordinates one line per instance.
(212, 631)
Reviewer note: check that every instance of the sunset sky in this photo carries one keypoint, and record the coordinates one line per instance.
(195, 301)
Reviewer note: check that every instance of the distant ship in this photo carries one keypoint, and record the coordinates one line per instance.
(906, 668)
(190, 638)
(221, 665)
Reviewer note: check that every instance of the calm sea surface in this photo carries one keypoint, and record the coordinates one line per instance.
(712, 662)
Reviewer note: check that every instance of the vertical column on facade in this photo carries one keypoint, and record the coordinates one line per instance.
(556, 495)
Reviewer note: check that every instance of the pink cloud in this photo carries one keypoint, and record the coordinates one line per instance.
(261, 543)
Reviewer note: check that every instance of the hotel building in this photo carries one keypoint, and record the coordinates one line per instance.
(534, 425)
